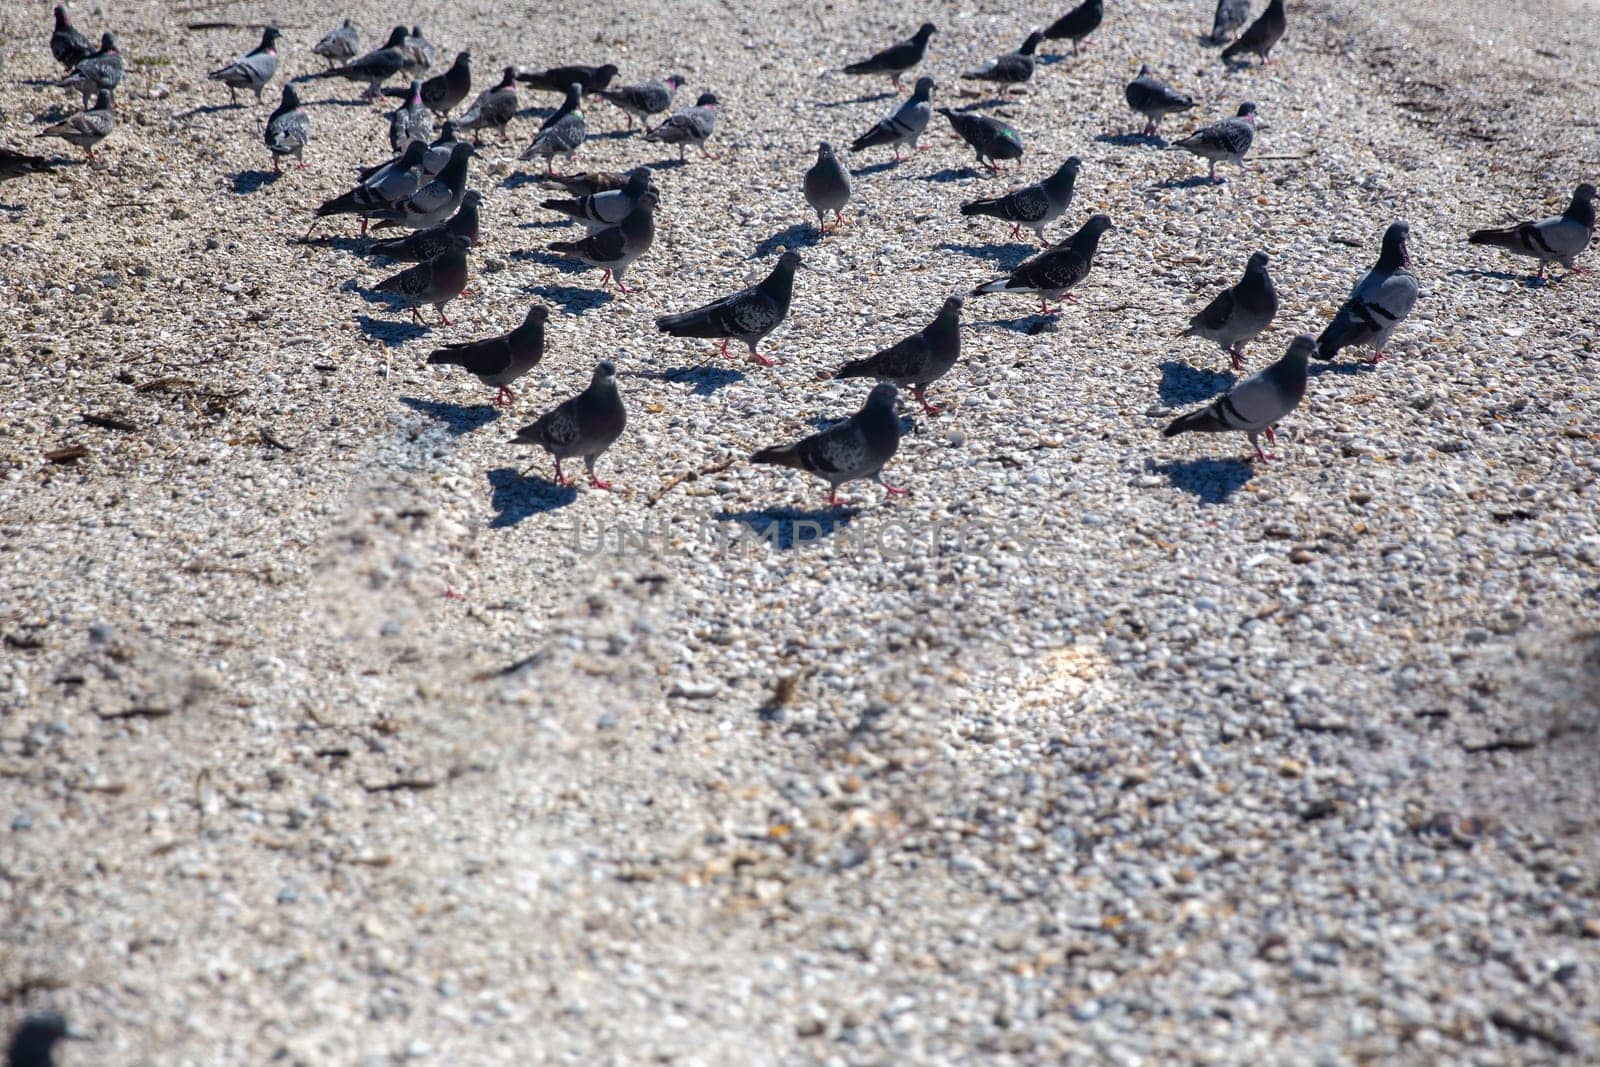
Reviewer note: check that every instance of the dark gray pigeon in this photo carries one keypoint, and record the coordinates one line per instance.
(17, 164)
(904, 125)
(919, 360)
(826, 186)
(1078, 23)
(1035, 206)
(599, 210)
(1257, 404)
(499, 361)
(1231, 14)
(435, 201)
(442, 92)
(390, 185)
(562, 133)
(748, 315)
(495, 107)
(589, 182)
(897, 59)
(102, 70)
(374, 68)
(338, 46)
(990, 138)
(1223, 142)
(1263, 33)
(87, 128)
(288, 130)
(33, 1043)
(1558, 239)
(423, 245)
(1153, 99)
(68, 45)
(1238, 314)
(691, 126)
(1011, 69)
(437, 282)
(582, 427)
(1380, 301)
(556, 79)
(254, 71)
(615, 248)
(856, 448)
(640, 101)
(411, 121)
(1053, 272)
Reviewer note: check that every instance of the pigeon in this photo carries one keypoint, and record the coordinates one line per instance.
(1078, 23)
(904, 125)
(1147, 95)
(102, 70)
(440, 150)
(499, 361)
(374, 68)
(494, 107)
(556, 79)
(827, 186)
(437, 282)
(598, 210)
(562, 133)
(435, 201)
(1225, 141)
(254, 70)
(748, 315)
(423, 245)
(442, 92)
(614, 248)
(1558, 239)
(87, 128)
(1054, 271)
(338, 46)
(1263, 33)
(419, 53)
(1035, 206)
(990, 138)
(434, 158)
(899, 58)
(1011, 69)
(410, 121)
(383, 190)
(691, 126)
(1231, 14)
(288, 130)
(851, 450)
(589, 182)
(1237, 315)
(17, 164)
(1258, 403)
(33, 1043)
(583, 427)
(919, 360)
(1380, 301)
(645, 99)
(68, 45)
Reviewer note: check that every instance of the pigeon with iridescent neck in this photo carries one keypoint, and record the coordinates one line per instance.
(102, 70)
(1034, 206)
(339, 45)
(1262, 34)
(1238, 314)
(640, 101)
(919, 360)
(1379, 302)
(68, 45)
(1557, 239)
(582, 427)
(288, 130)
(748, 315)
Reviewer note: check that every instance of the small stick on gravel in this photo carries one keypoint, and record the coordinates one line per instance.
(687, 476)
(110, 422)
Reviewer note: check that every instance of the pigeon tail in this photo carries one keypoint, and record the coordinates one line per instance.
(781, 457)
(858, 368)
(1509, 238)
(1204, 420)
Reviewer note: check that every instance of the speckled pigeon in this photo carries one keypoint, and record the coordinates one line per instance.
(1011, 69)
(87, 128)
(1056, 270)
(562, 133)
(919, 360)
(582, 427)
(598, 210)
(1078, 23)
(288, 130)
(1558, 239)
(254, 71)
(1263, 33)
(588, 182)
(499, 361)
(748, 315)
(1257, 404)
(1380, 301)
(1223, 142)
(899, 58)
(437, 282)
(68, 45)
(851, 450)
(826, 186)
(1035, 206)
(338, 46)
(374, 68)
(411, 121)
(691, 126)
(990, 138)
(615, 248)
(904, 125)
(495, 107)
(423, 245)
(1239, 313)
(640, 101)
(1153, 99)
(102, 70)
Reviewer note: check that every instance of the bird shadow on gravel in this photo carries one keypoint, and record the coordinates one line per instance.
(392, 334)
(458, 419)
(207, 109)
(521, 178)
(869, 99)
(515, 497)
(949, 174)
(788, 237)
(1004, 256)
(573, 300)
(1198, 181)
(1212, 481)
(668, 163)
(875, 168)
(705, 378)
(1184, 383)
(246, 182)
(548, 259)
(1032, 325)
(1342, 368)
(788, 528)
(1529, 281)
(1132, 140)
(356, 245)
(548, 224)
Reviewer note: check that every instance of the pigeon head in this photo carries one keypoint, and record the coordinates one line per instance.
(108, 43)
(707, 100)
(1258, 261)
(416, 91)
(37, 1036)
(1031, 43)
(447, 132)
(1247, 110)
(923, 89)
(677, 81)
(1584, 192)
(882, 396)
(605, 374)
(537, 313)
(824, 150)
(1301, 348)
(605, 72)
(574, 94)
(1144, 70)
(789, 261)
(926, 30)
(463, 60)
(397, 37)
(460, 152)
(269, 38)
(291, 99)
(638, 181)
(412, 156)
(472, 199)
(650, 199)
(953, 305)
(508, 79)
(1395, 253)
(103, 101)
(1070, 166)
(1098, 224)
(62, 22)
(416, 31)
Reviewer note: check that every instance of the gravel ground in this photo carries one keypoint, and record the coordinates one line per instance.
(1098, 747)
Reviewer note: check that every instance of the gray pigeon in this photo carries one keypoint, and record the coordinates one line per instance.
(1078, 23)
(1237, 315)
(1380, 301)
(33, 1043)
(103, 70)
(640, 101)
(615, 248)
(435, 201)
(411, 121)
(1011, 69)
(87, 128)
(899, 58)
(288, 130)
(442, 92)
(389, 186)
(1225, 141)
(1056, 270)
(338, 46)
(1257, 404)
(1035, 206)
(1558, 239)
(919, 360)
(419, 54)
(499, 361)
(556, 79)
(856, 448)
(495, 107)
(374, 68)
(254, 71)
(17, 164)
(990, 138)
(68, 45)
(1150, 97)
(599, 210)
(423, 245)
(437, 282)
(562, 133)
(1231, 14)
(691, 126)
(583, 427)
(827, 186)
(1263, 33)
(748, 315)
(904, 126)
